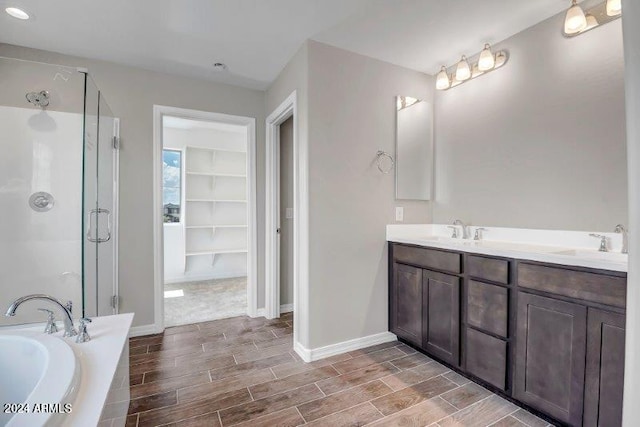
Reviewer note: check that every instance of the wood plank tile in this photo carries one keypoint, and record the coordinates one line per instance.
(406, 349)
(270, 388)
(287, 418)
(243, 368)
(206, 420)
(342, 400)
(181, 329)
(481, 414)
(135, 379)
(466, 395)
(282, 332)
(196, 408)
(149, 339)
(256, 354)
(151, 365)
(153, 401)
(275, 403)
(354, 378)
(529, 419)
(132, 421)
(360, 415)
(456, 378)
(415, 375)
(171, 372)
(411, 361)
(373, 348)
(138, 350)
(405, 398)
(287, 339)
(211, 389)
(175, 349)
(422, 414)
(368, 359)
(298, 366)
(169, 384)
(213, 353)
(509, 422)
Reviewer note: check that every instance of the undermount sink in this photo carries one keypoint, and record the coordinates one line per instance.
(612, 256)
(36, 368)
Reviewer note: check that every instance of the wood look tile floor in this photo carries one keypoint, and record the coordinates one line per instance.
(244, 372)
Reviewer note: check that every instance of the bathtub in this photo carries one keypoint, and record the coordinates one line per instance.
(39, 381)
(53, 381)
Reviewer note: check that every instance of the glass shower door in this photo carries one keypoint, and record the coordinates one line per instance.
(98, 203)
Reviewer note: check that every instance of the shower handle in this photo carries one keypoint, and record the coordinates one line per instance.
(90, 216)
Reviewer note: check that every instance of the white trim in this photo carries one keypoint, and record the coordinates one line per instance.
(311, 355)
(286, 308)
(260, 312)
(252, 262)
(138, 331)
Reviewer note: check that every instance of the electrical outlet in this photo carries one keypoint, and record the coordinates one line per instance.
(399, 214)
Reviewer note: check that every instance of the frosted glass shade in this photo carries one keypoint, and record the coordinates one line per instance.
(442, 80)
(575, 20)
(486, 61)
(463, 71)
(614, 7)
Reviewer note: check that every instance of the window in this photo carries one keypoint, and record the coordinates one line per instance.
(171, 184)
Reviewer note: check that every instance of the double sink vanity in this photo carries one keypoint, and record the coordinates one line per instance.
(535, 315)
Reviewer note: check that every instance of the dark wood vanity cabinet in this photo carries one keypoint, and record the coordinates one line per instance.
(549, 336)
(441, 316)
(550, 356)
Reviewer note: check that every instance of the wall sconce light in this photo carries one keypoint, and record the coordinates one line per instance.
(464, 71)
(577, 21)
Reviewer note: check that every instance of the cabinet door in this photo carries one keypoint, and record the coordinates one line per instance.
(406, 306)
(605, 369)
(550, 356)
(441, 316)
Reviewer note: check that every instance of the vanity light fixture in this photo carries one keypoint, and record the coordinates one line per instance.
(406, 102)
(464, 71)
(578, 21)
(17, 13)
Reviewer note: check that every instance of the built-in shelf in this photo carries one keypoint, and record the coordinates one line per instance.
(217, 226)
(217, 252)
(216, 200)
(217, 174)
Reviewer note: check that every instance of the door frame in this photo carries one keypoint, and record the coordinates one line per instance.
(284, 111)
(159, 111)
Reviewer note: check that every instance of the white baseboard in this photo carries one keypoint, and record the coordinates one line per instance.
(138, 331)
(286, 308)
(260, 312)
(311, 355)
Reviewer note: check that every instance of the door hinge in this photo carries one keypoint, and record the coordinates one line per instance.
(115, 301)
(116, 143)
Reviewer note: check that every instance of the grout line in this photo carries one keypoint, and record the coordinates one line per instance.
(301, 416)
(219, 417)
(250, 394)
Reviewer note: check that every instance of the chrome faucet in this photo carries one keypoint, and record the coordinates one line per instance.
(465, 229)
(69, 330)
(625, 238)
(603, 242)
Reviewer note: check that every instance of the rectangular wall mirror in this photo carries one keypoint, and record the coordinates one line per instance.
(414, 149)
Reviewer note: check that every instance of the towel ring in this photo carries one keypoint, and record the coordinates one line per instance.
(380, 156)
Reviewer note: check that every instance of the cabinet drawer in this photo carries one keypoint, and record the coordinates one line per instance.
(487, 358)
(427, 258)
(600, 288)
(495, 270)
(487, 307)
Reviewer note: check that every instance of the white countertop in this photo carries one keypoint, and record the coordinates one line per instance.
(574, 248)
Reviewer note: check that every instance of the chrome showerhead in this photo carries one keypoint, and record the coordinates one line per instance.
(40, 99)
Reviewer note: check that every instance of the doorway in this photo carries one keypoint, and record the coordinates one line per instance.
(205, 197)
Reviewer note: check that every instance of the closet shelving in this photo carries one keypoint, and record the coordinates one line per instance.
(216, 204)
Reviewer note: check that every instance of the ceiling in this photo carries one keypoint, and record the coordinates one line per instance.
(256, 38)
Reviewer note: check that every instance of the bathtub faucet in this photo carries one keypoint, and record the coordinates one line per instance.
(69, 330)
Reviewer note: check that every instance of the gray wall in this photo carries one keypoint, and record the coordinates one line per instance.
(631, 15)
(351, 116)
(131, 93)
(286, 201)
(539, 143)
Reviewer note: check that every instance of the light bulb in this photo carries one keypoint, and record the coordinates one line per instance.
(463, 71)
(614, 7)
(592, 22)
(575, 20)
(442, 79)
(17, 13)
(487, 61)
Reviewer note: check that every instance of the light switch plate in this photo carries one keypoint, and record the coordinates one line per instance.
(289, 213)
(399, 214)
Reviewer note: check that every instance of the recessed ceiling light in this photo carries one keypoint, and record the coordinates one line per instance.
(17, 13)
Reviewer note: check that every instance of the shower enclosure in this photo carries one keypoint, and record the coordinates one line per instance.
(58, 190)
